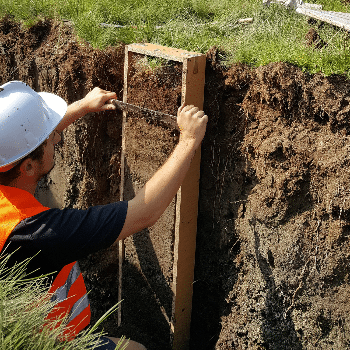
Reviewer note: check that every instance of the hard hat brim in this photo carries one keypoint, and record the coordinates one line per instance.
(58, 108)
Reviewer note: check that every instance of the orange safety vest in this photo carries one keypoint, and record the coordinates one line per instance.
(68, 288)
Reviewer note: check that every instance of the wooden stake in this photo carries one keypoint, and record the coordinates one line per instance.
(186, 215)
(121, 244)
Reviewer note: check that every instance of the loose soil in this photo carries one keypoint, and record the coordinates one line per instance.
(272, 261)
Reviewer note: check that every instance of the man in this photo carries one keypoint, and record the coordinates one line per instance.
(30, 126)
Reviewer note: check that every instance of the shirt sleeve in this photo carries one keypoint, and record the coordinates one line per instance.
(62, 236)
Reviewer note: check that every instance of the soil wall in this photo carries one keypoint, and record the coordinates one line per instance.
(272, 261)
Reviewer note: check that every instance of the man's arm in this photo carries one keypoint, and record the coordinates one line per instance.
(94, 101)
(149, 204)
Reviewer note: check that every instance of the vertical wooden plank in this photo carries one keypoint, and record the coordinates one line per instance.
(121, 244)
(186, 215)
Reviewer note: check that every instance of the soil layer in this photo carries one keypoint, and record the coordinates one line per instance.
(272, 261)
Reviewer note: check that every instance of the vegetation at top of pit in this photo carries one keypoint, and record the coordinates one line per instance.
(276, 33)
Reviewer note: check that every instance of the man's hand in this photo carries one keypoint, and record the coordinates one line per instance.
(192, 124)
(95, 100)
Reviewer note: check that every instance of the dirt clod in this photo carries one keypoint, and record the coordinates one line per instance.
(313, 39)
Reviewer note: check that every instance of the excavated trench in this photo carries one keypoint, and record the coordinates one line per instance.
(273, 259)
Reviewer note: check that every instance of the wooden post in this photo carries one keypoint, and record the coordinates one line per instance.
(193, 79)
(186, 215)
(121, 244)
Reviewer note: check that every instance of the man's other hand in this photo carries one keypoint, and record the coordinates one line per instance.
(192, 124)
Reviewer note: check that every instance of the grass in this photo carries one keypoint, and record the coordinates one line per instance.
(276, 34)
(24, 305)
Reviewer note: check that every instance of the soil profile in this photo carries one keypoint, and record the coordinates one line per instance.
(272, 260)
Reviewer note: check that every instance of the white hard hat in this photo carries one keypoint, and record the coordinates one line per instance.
(27, 118)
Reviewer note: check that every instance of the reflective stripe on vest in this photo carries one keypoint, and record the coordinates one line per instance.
(68, 288)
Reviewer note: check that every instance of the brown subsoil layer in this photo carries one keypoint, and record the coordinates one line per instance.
(272, 261)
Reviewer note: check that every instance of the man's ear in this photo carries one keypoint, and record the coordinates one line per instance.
(27, 167)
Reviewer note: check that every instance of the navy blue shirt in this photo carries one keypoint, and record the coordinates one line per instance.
(61, 236)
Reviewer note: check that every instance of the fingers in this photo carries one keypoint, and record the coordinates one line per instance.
(187, 108)
(107, 95)
(199, 114)
(181, 108)
(104, 96)
(191, 111)
(108, 106)
(205, 118)
(98, 100)
(195, 111)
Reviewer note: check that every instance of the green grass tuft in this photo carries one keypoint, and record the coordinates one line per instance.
(24, 304)
(276, 34)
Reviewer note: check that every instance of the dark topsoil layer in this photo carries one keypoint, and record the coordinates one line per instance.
(273, 258)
